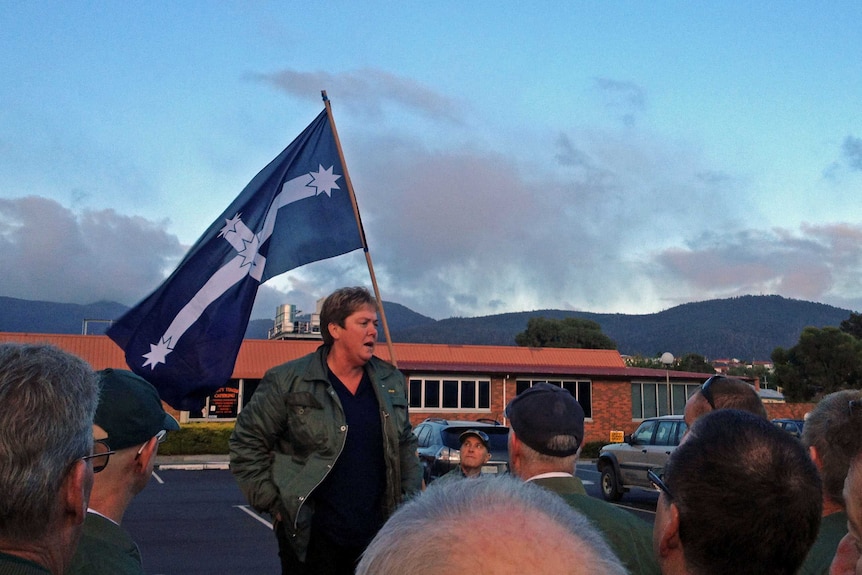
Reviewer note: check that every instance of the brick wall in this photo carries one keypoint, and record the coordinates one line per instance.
(788, 410)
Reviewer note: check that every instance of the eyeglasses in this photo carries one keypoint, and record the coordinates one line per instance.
(101, 455)
(160, 438)
(707, 392)
(658, 483)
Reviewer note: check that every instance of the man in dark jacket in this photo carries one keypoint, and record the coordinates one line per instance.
(130, 422)
(47, 401)
(474, 453)
(546, 431)
(729, 495)
(325, 444)
(833, 436)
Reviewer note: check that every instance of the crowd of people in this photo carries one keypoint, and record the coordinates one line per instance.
(325, 447)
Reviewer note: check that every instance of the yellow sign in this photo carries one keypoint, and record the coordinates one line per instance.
(617, 436)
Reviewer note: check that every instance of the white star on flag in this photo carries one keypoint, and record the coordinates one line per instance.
(324, 180)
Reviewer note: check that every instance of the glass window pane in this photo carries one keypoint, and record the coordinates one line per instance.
(637, 402)
(663, 435)
(468, 394)
(432, 393)
(415, 393)
(662, 390)
(643, 434)
(521, 385)
(484, 395)
(585, 397)
(450, 393)
(571, 387)
(679, 398)
(424, 435)
(650, 406)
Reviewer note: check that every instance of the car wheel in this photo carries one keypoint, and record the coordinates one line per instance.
(610, 487)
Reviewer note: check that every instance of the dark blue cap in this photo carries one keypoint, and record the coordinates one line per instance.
(543, 412)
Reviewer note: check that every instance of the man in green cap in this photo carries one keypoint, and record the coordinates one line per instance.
(130, 423)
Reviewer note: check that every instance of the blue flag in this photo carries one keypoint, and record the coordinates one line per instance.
(184, 338)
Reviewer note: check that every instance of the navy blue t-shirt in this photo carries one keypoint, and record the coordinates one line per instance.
(348, 504)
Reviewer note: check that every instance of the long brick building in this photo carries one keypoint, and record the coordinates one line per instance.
(457, 381)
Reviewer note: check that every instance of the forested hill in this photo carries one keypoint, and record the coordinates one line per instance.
(747, 327)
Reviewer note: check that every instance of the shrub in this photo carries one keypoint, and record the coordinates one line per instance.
(204, 438)
(591, 449)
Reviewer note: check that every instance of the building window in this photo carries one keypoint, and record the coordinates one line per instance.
(653, 399)
(580, 389)
(449, 394)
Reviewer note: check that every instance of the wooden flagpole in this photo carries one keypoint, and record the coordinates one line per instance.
(392, 357)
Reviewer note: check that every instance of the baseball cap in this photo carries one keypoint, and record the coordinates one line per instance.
(129, 409)
(545, 411)
(483, 437)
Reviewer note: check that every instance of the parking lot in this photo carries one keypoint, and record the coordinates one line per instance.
(189, 522)
(196, 521)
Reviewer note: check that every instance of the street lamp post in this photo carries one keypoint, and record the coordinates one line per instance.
(667, 360)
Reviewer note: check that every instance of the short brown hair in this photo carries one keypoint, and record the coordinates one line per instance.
(339, 305)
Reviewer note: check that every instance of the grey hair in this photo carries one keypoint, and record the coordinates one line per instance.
(562, 442)
(835, 431)
(421, 533)
(48, 400)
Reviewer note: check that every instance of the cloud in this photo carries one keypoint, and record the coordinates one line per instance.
(852, 148)
(599, 220)
(621, 96)
(48, 252)
(367, 91)
(472, 231)
(815, 262)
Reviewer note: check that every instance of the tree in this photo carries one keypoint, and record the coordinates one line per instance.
(566, 332)
(694, 362)
(853, 325)
(823, 361)
(758, 371)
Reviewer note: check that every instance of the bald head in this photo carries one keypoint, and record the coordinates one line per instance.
(490, 525)
(720, 392)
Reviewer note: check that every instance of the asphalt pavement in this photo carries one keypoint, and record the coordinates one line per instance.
(192, 519)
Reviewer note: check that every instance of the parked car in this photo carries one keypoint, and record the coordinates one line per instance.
(791, 426)
(439, 445)
(625, 465)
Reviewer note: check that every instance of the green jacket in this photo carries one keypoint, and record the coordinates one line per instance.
(107, 548)
(833, 527)
(289, 435)
(627, 535)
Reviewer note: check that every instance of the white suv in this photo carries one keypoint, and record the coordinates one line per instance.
(625, 465)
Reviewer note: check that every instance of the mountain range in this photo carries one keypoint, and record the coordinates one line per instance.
(746, 327)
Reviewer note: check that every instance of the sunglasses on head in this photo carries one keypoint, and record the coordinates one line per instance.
(706, 391)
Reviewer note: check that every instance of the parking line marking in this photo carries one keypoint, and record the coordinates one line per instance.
(251, 512)
(620, 505)
(159, 479)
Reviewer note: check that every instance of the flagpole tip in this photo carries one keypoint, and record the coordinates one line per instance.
(323, 95)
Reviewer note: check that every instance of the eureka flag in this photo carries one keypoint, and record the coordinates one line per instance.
(184, 338)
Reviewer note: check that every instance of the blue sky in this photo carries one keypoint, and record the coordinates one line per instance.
(608, 157)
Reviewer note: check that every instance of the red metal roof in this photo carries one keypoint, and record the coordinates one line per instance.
(97, 350)
(256, 356)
